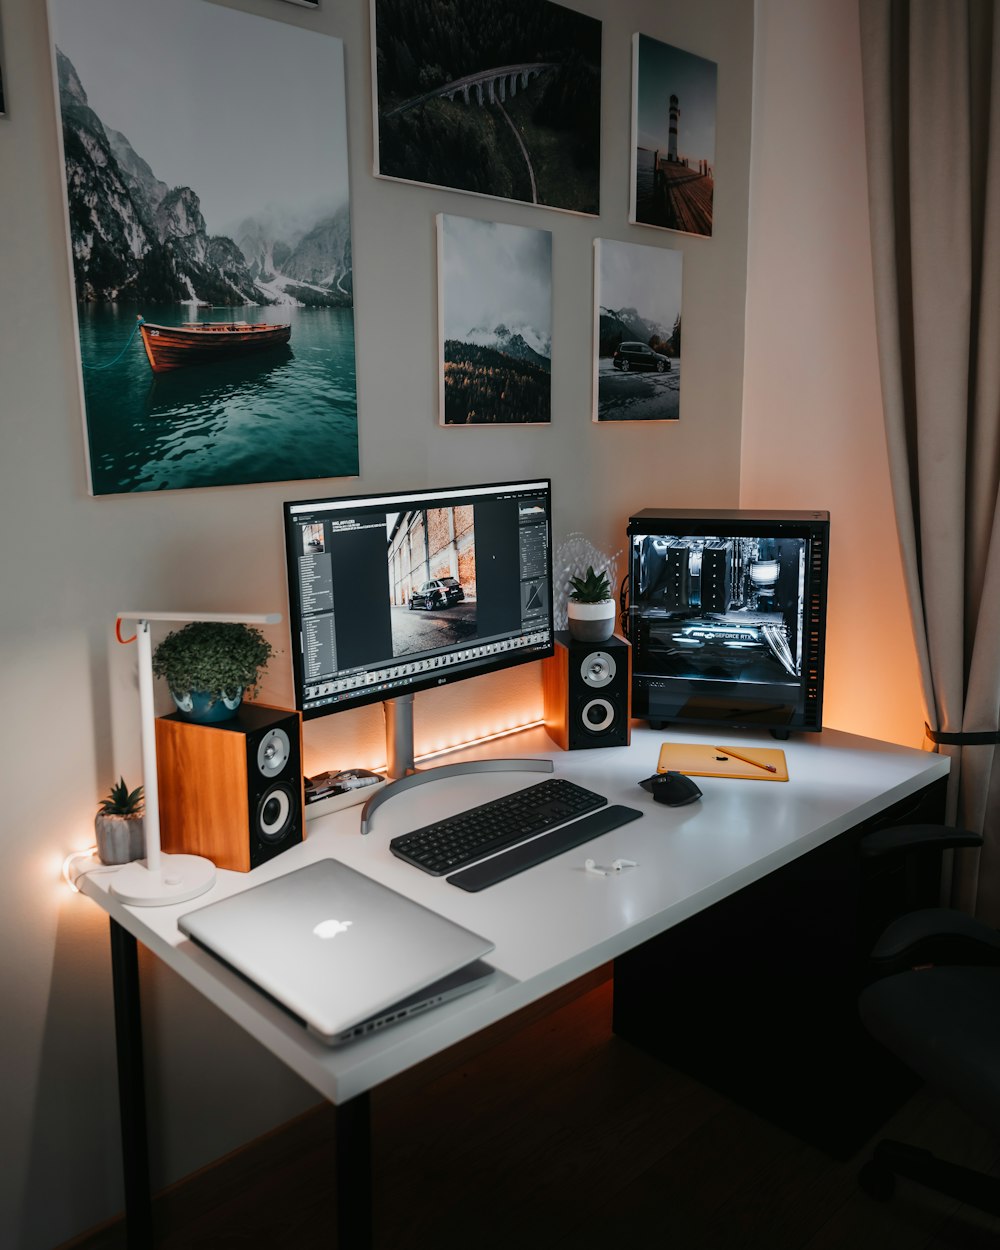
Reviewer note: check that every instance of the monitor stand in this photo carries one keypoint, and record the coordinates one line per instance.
(404, 775)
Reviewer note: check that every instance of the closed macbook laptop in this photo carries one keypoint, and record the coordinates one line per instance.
(343, 953)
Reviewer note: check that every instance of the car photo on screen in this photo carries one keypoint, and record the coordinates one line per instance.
(432, 578)
(441, 592)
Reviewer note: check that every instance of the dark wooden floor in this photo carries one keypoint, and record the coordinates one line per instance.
(551, 1132)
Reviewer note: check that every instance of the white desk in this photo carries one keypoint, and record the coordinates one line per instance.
(550, 924)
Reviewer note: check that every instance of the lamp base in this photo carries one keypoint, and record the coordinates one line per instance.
(181, 877)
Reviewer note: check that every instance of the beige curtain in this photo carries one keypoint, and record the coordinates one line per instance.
(931, 73)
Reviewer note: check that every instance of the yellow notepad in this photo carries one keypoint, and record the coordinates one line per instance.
(697, 760)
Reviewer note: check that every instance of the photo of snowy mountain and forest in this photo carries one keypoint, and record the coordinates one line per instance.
(194, 220)
(495, 307)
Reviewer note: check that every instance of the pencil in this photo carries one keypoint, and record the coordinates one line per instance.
(770, 768)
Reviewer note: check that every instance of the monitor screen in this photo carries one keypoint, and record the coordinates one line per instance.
(396, 593)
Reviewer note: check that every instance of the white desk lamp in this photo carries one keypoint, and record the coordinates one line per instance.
(163, 879)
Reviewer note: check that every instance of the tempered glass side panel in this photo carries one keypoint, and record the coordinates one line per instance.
(726, 617)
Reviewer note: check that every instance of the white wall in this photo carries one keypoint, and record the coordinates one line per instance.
(812, 410)
(68, 562)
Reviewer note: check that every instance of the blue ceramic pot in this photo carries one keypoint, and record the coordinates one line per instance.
(198, 706)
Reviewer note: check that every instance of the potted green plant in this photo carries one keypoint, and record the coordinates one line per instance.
(209, 664)
(118, 825)
(590, 607)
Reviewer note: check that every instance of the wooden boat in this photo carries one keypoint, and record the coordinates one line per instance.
(204, 342)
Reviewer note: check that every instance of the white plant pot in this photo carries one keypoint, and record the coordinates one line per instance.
(591, 622)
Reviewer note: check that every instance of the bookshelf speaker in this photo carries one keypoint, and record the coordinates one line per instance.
(586, 689)
(232, 791)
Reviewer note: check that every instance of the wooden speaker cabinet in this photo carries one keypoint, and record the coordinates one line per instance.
(232, 791)
(586, 688)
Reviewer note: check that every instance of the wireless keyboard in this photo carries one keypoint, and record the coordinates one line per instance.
(538, 850)
(467, 836)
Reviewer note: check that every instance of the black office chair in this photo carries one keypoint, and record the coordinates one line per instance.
(934, 1002)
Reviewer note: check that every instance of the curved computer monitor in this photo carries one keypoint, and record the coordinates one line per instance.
(396, 593)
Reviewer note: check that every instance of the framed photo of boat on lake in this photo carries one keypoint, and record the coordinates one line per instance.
(211, 255)
(495, 322)
(673, 138)
(500, 98)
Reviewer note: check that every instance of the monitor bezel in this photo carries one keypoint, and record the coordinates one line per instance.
(431, 495)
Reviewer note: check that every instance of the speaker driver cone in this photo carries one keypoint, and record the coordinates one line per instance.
(598, 715)
(273, 751)
(598, 669)
(274, 812)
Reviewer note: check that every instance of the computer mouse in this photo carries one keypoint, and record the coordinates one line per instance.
(674, 789)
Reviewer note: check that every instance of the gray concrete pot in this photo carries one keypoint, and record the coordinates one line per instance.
(120, 839)
(591, 622)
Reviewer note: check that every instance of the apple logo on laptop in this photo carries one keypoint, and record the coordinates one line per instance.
(330, 928)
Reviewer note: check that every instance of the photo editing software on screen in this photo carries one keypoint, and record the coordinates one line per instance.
(398, 592)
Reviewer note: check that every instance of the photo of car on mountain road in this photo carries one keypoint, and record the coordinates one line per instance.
(637, 332)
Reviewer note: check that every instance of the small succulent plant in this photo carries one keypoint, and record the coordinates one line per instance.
(593, 588)
(121, 801)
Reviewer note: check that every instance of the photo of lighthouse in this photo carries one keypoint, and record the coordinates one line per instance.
(673, 138)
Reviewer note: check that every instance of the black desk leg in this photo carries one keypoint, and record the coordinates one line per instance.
(354, 1173)
(131, 1089)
